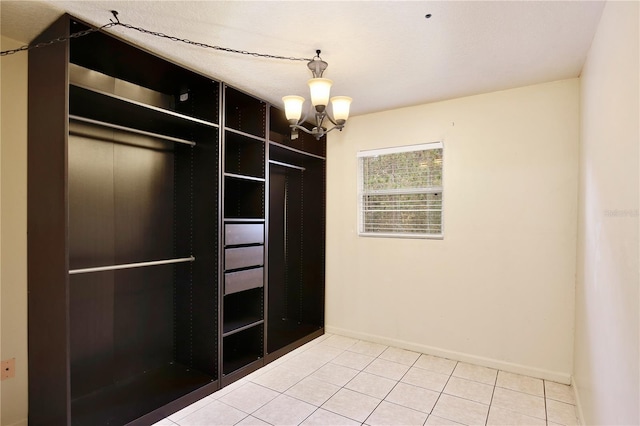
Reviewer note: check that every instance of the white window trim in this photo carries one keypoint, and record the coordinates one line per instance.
(397, 150)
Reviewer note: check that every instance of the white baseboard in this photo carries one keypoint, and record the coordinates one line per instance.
(554, 376)
(576, 395)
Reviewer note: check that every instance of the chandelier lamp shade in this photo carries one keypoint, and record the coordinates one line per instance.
(320, 89)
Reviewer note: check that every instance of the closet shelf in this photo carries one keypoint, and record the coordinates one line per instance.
(106, 107)
(243, 220)
(240, 132)
(244, 177)
(130, 129)
(240, 324)
(131, 265)
(297, 151)
(291, 166)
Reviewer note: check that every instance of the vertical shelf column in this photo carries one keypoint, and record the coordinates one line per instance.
(242, 292)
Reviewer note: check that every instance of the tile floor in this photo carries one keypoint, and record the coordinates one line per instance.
(336, 380)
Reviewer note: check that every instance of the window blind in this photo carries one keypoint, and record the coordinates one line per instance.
(400, 191)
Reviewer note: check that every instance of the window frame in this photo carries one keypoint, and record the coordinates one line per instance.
(361, 193)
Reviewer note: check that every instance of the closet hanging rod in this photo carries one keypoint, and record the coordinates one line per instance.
(291, 166)
(131, 130)
(130, 265)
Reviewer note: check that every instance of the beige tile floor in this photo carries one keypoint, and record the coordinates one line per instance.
(336, 380)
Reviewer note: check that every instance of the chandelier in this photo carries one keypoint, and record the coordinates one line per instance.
(320, 88)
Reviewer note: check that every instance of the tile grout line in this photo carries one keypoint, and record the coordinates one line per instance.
(442, 391)
(495, 385)
(394, 386)
(544, 394)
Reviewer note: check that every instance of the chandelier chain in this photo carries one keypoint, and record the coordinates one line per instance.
(117, 22)
(208, 46)
(60, 39)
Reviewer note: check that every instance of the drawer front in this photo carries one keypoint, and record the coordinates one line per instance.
(243, 257)
(243, 233)
(243, 280)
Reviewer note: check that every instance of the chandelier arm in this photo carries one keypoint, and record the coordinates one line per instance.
(299, 127)
(331, 120)
(333, 128)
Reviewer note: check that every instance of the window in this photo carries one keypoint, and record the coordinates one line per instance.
(400, 191)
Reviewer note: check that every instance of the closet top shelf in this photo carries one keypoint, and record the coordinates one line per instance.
(107, 107)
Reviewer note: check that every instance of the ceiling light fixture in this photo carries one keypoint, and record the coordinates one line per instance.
(320, 88)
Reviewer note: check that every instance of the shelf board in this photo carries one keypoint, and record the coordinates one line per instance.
(124, 402)
(244, 177)
(243, 220)
(297, 151)
(240, 324)
(241, 133)
(236, 363)
(98, 105)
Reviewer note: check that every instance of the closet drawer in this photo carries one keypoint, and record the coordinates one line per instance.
(243, 257)
(243, 280)
(243, 233)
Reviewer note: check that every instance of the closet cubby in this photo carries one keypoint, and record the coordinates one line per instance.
(244, 155)
(243, 198)
(244, 113)
(243, 310)
(242, 349)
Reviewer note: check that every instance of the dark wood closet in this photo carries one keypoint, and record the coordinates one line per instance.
(175, 233)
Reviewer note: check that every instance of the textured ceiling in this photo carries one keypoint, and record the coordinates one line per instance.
(384, 54)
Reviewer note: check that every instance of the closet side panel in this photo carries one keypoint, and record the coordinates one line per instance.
(47, 262)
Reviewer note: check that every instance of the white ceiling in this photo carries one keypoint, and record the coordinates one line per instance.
(384, 54)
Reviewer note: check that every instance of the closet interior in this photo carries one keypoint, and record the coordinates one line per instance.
(175, 233)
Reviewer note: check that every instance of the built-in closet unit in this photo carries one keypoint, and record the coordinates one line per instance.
(122, 232)
(175, 233)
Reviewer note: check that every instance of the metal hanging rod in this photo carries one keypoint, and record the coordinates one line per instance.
(291, 166)
(131, 130)
(131, 265)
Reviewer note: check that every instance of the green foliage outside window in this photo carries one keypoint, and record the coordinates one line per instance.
(401, 193)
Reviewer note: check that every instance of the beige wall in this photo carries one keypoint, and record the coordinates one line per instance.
(607, 343)
(13, 230)
(499, 289)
